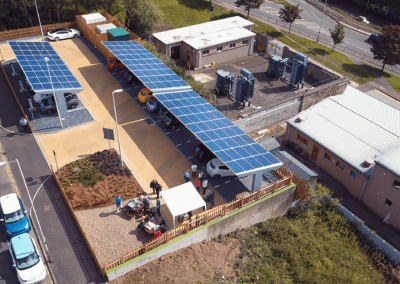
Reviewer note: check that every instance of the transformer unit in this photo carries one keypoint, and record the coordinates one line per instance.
(245, 87)
(299, 70)
(277, 67)
(225, 83)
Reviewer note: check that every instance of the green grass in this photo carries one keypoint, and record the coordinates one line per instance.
(392, 79)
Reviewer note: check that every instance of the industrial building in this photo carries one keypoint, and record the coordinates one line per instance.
(209, 43)
(355, 138)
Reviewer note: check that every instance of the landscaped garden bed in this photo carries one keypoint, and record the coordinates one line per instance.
(95, 181)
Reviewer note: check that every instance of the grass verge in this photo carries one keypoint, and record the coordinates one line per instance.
(392, 79)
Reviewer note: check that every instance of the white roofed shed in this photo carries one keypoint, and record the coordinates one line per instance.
(93, 18)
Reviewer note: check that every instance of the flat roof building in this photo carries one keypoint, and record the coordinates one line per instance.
(207, 43)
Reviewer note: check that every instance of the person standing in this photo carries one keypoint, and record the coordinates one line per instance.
(194, 170)
(205, 184)
(153, 185)
(187, 176)
(204, 170)
(200, 175)
(158, 189)
(211, 198)
(198, 183)
(190, 214)
(181, 217)
(24, 123)
(118, 202)
(158, 204)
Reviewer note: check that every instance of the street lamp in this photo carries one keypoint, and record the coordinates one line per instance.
(116, 121)
(51, 82)
(2, 164)
(40, 24)
(326, 49)
(323, 11)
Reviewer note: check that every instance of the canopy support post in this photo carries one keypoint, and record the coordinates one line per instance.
(256, 185)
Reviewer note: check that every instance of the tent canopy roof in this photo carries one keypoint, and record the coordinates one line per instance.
(182, 199)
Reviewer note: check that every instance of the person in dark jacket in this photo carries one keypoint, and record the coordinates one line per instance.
(158, 189)
(153, 185)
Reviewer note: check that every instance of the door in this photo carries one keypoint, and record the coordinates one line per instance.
(176, 52)
(314, 153)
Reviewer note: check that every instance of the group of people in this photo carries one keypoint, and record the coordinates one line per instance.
(156, 186)
(157, 229)
(201, 179)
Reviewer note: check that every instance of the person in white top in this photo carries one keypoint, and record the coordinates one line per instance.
(204, 184)
(200, 175)
(194, 170)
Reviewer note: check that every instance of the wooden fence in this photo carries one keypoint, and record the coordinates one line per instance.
(32, 31)
(77, 221)
(89, 31)
(16, 98)
(205, 217)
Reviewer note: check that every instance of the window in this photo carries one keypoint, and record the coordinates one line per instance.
(396, 184)
(302, 139)
(206, 52)
(388, 203)
(245, 41)
(352, 174)
(219, 48)
(232, 45)
(327, 156)
(340, 165)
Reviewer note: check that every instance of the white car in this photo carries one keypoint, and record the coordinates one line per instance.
(26, 260)
(40, 97)
(217, 169)
(363, 19)
(61, 33)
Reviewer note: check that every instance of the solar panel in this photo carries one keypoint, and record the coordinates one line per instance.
(30, 56)
(227, 141)
(146, 67)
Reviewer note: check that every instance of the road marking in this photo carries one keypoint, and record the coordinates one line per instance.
(134, 87)
(216, 186)
(135, 98)
(10, 175)
(190, 157)
(177, 130)
(127, 89)
(120, 81)
(178, 145)
(143, 107)
(228, 181)
(168, 133)
(188, 141)
(114, 74)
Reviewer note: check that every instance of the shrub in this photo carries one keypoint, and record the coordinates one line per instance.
(90, 177)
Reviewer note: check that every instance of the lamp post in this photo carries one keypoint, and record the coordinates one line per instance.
(320, 24)
(326, 49)
(2, 164)
(366, 7)
(40, 24)
(116, 121)
(54, 95)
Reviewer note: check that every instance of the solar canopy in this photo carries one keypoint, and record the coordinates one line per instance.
(228, 142)
(146, 67)
(30, 56)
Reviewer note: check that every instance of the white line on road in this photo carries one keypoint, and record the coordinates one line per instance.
(120, 81)
(177, 130)
(128, 89)
(216, 186)
(227, 181)
(178, 145)
(143, 107)
(113, 73)
(188, 141)
(168, 133)
(190, 157)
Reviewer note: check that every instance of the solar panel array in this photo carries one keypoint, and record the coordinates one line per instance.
(30, 56)
(229, 143)
(144, 65)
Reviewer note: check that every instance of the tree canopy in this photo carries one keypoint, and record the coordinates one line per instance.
(249, 4)
(387, 48)
(141, 14)
(337, 35)
(290, 13)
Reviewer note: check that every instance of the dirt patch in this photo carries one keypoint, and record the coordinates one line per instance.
(114, 181)
(205, 262)
(160, 27)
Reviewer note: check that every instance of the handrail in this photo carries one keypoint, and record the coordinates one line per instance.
(205, 217)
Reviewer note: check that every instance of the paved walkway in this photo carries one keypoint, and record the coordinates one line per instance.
(72, 262)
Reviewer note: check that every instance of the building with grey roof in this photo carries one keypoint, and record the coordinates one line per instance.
(355, 138)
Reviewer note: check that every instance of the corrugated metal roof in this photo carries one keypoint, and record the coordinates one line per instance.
(345, 133)
(391, 160)
(371, 108)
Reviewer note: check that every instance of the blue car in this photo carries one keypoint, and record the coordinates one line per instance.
(13, 215)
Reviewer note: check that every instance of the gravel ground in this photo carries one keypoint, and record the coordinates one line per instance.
(111, 235)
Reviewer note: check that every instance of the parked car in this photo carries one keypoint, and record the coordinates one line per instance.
(114, 64)
(62, 33)
(131, 79)
(144, 95)
(153, 105)
(374, 38)
(216, 169)
(363, 19)
(170, 121)
(13, 215)
(40, 97)
(27, 259)
(49, 106)
(202, 153)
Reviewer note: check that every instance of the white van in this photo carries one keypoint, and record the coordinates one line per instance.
(217, 169)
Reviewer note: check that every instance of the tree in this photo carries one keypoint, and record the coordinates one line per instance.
(387, 48)
(337, 34)
(141, 14)
(290, 13)
(249, 4)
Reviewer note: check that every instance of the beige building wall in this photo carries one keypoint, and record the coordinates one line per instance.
(161, 46)
(380, 191)
(328, 163)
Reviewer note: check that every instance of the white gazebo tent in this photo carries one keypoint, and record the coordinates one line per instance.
(182, 199)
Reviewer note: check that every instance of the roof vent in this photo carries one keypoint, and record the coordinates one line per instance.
(368, 162)
(301, 118)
